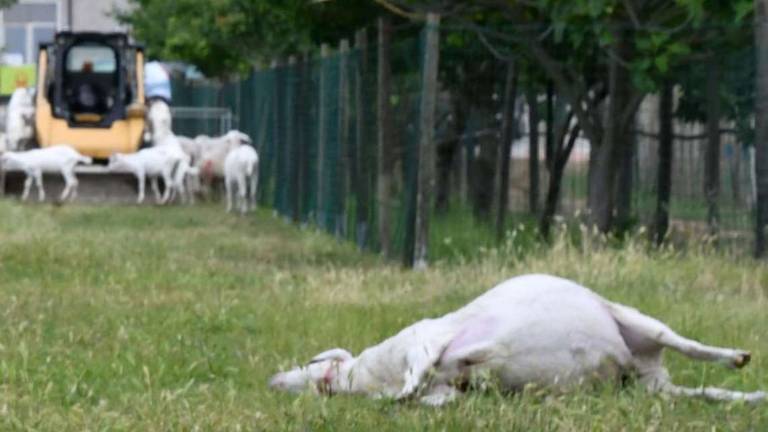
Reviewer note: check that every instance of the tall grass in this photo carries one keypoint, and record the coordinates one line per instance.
(174, 318)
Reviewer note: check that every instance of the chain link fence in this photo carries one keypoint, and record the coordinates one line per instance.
(331, 157)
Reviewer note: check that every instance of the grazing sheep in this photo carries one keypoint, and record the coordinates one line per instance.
(55, 159)
(19, 116)
(533, 329)
(241, 171)
(151, 162)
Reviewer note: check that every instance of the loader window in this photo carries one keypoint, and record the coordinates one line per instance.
(101, 59)
(90, 78)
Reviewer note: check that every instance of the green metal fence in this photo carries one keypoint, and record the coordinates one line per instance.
(314, 121)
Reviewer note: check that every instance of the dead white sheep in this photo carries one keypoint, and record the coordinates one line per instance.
(529, 330)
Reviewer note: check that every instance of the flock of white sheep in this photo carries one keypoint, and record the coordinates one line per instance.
(181, 162)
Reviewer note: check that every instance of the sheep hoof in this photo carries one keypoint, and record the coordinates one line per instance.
(742, 360)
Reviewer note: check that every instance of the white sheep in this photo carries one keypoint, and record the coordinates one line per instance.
(19, 116)
(241, 171)
(183, 173)
(55, 159)
(535, 330)
(151, 162)
(213, 151)
(159, 122)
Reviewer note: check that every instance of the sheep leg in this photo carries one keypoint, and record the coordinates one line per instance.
(714, 393)
(419, 360)
(228, 191)
(141, 180)
(155, 188)
(27, 186)
(39, 181)
(643, 333)
(180, 178)
(168, 180)
(70, 185)
(241, 194)
(254, 185)
(439, 395)
(646, 337)
(190, 190)
(655, 378)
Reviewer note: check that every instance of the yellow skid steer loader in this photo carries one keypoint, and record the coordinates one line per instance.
(89, 95)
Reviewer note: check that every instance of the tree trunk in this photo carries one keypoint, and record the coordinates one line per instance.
(557, 168)
(362, 178)
(666, 155)
(386, 159)
(625, 181)
(426, 170)
(712, 154)
(482, 177)
(550, 131)
(322, 114)
(533, 151)
(507, 135)
(761, 125)
(615, 140)
(446, 155)
(343, 179)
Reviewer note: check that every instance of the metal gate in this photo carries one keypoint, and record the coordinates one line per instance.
(192, 121)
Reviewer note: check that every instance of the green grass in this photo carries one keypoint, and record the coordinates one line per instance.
(143, 319)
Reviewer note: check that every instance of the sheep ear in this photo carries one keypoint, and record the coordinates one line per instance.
(335, 354)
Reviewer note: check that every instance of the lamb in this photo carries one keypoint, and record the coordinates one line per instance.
(532, 329)
(19, 116)
(241, 171)
(58, 158)
(150, 162)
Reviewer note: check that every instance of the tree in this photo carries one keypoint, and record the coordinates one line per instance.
(761, 126)
(227, 37)
(636, 42)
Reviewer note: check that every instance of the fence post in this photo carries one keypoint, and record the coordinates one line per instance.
(426, 151)
(712, 153)
(666, 155)
(291, 139)
(761, 125)
(344, 160)
(322, 113)
(502, 161)
(279, 182)
(384, 138)
(533, 150)
(361, 175)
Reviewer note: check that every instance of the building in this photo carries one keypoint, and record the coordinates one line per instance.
(29, 22)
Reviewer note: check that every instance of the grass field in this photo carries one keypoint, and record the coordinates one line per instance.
(144, 319)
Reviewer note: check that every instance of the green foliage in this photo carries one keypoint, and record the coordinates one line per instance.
(226, 37)
(221, 37)
(7, 3)
(149, 318)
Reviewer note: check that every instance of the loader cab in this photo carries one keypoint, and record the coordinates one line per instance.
(90, 93)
